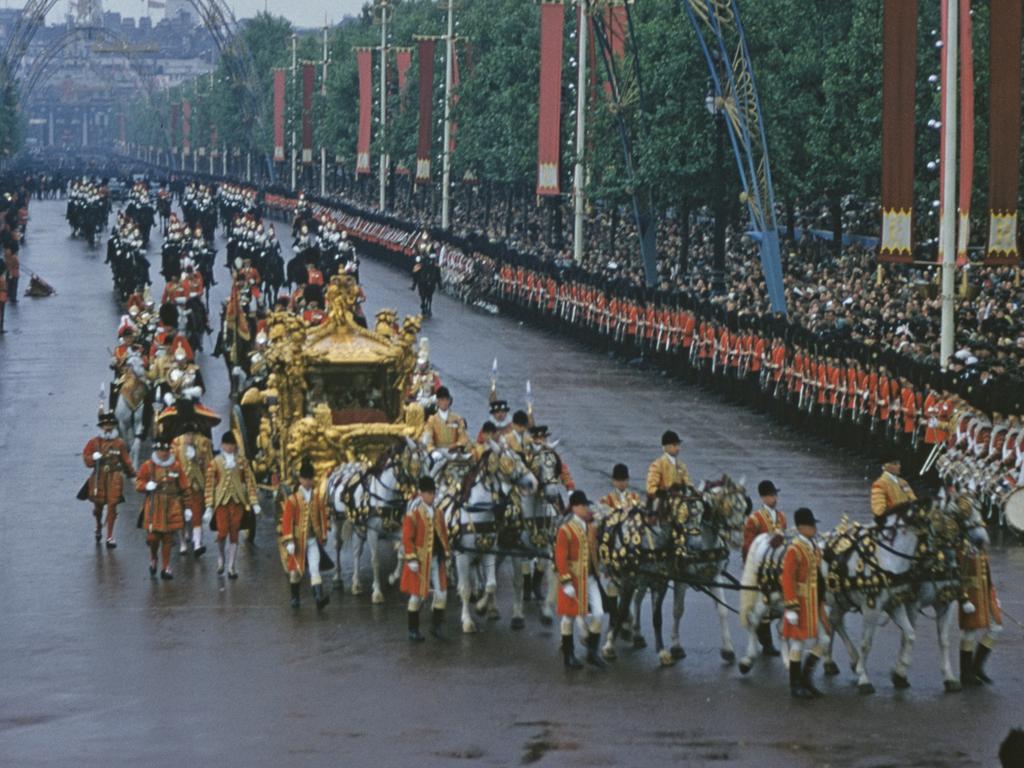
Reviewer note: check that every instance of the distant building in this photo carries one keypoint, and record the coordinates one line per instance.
(177, 7)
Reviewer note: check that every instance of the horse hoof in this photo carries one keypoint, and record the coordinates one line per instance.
(831, 668)
(356, 589)
(900, 681)
(391, 580)
(678, 652)
(546, 620)
(493, 615)
(378, 598)
(952, 686)
(665, 658)
(865, 689)
(468, 627)
(745, 667)
(639, 643)
(518, 623)
(727, 656)
(609, 653)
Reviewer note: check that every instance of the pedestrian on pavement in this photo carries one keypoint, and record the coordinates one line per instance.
(804, 615)
(425, 543)
(230, 492)
(579, 597)
(107, 456)
(165, 484)
(304, 527)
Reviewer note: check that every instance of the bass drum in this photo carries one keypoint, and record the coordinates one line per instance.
(1013, 510)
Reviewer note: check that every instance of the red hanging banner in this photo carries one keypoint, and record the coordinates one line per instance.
(899, 70)
(308, 81)
(1004, 131)
(279, 115)
(425, 62)
(186, 126)
(549, 117)
(365, 62)
(175, 126)
(403, 60)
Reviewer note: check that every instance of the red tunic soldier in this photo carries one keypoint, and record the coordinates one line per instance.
(767, 519)
(304, 527)
(579, 599)
(981, 616)
(165, 484)
(425, 542)
(107, 456)
(804, 615)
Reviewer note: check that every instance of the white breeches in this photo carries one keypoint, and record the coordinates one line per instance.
(440, 595)
(811, 644)
(592, 621)
(312, 564)
(987, 636)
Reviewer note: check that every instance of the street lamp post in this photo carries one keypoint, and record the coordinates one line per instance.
(446, 154)
(581, 129)
(385, 161)
(714, 108)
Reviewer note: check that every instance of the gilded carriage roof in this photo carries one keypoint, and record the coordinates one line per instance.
(340, 340)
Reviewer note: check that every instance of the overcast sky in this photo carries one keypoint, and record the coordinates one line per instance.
(304, 13)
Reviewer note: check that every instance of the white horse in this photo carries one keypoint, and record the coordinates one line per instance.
(475, 494)
(933, 581)
(541, 512)
(131, 403)
(368, 502)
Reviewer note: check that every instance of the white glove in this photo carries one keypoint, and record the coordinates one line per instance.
(256, 509)
(168, 399)
(967, 607)
(150, 527)
(96, 455)
(208, 515)
(290, 548)
(569, 591)
(414, 566)
(193, 393)
(188, 515)
(792, 617)
(151, 485)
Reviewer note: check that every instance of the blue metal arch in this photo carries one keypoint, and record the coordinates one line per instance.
(724, 45)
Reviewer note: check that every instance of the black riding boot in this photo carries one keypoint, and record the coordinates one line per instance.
(538, 584)
(967, 675)
(796, 688)
(321, 599)
(437, 624)
(569, 653)
(980, 656)
(764, 636)
(808, 671)
(295, 595)
(414, 627)
(593, 657)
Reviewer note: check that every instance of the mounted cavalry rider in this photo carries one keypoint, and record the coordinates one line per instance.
(445, 428)
(804, 618)
(619, 501)
(425, 543)
(517, 438)
(667, 472)
(579, 598)
(889, 490)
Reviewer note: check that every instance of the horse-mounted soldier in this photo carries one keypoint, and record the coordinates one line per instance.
(889, 490)
(667, 472)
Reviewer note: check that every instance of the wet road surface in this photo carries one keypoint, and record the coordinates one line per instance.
(103, 666)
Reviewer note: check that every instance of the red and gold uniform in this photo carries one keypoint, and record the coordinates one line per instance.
(576, 564)
(194, 454)
(982, 621)
(304, 523)
(763, 520)
(664, 473)
(800, 573)
(163, 509)
(230, 490)
(425, 542)
(888, 491)
(444, 430)
(105, 487)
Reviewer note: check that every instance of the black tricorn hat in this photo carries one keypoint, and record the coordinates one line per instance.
(306, 470)
(578, 498)
(670, 437)
(228, 438)
(426, 483)
(767, 488)
(620, 472)
(804, 516)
